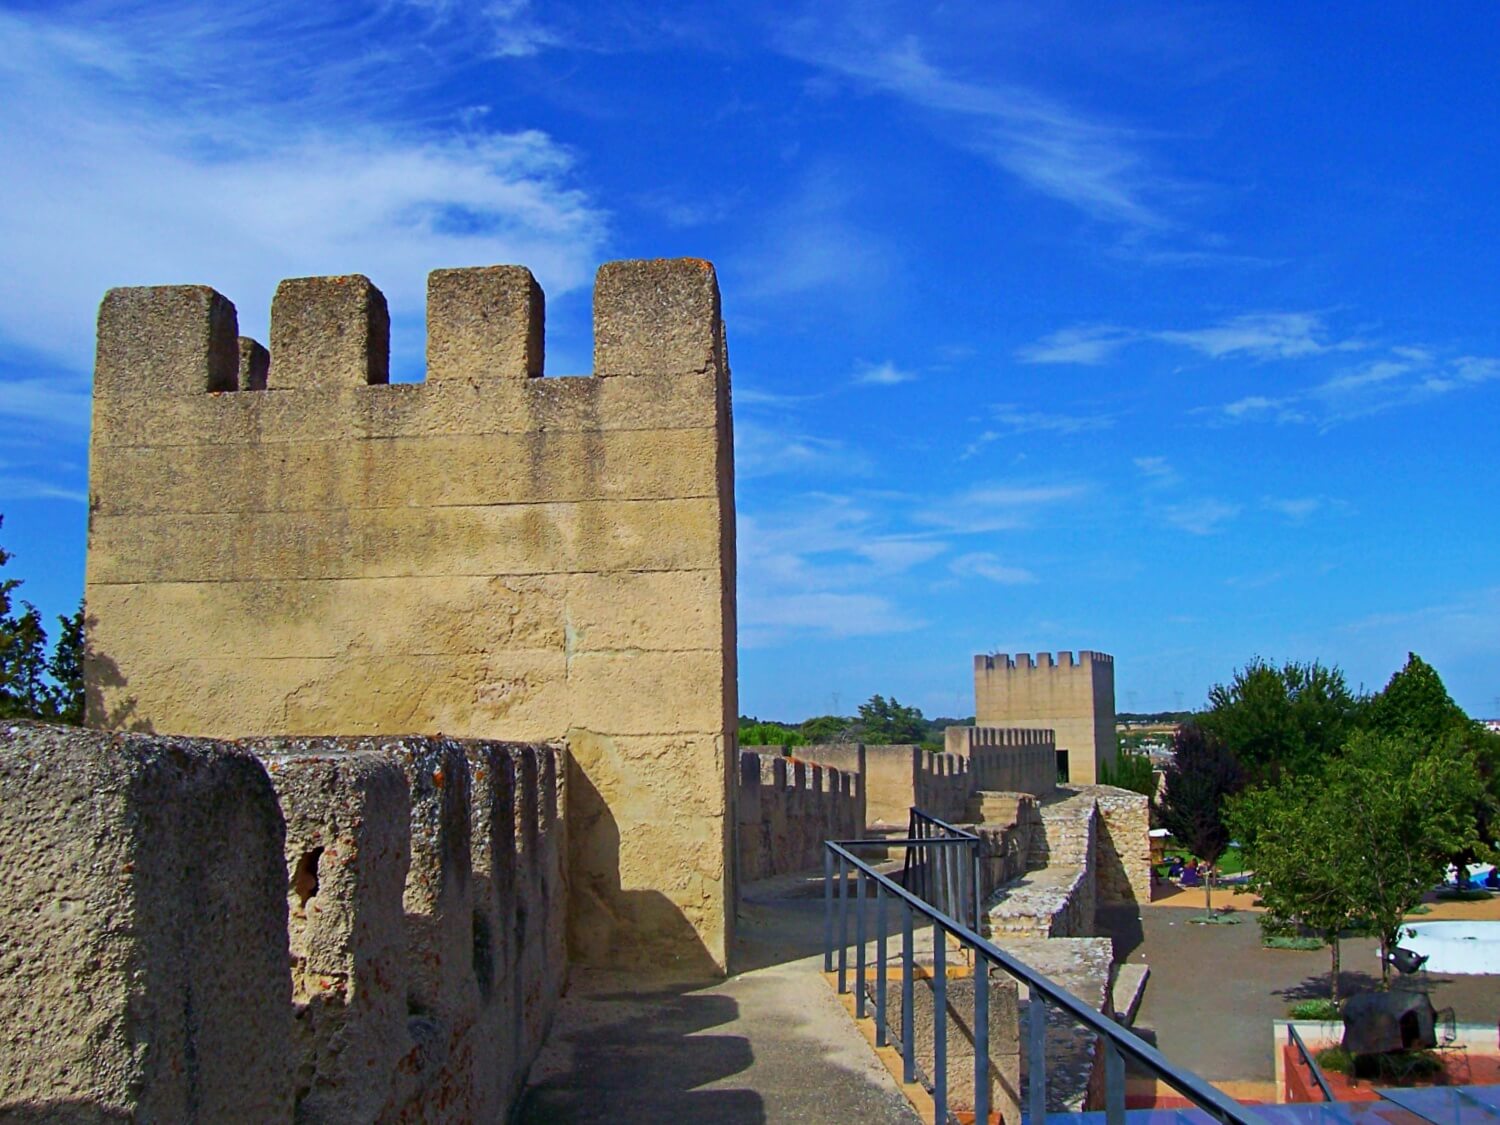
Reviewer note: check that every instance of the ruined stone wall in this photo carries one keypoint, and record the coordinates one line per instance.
(331, 929)
(286, 543)
(788, 807)
(1073, 698)
(1122, 847)
(1007, 759)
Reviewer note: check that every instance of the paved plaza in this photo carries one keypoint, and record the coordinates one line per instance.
(1214, 990)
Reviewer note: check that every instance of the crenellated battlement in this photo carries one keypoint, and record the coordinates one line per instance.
(284, 542)
(1063, 659)
(1071, 695)
(484, 325)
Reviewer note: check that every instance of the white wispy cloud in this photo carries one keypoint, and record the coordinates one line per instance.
(1085, 344)
(1295, 508)
(1157, 471)
(1011, 420)
(997, 506)
(1100, 168)
(1259, 335)
(147, 146)
(762, 450)
(885, 374)
(984, 564)
(1406, 378)
(1201, 517)
(823, 566)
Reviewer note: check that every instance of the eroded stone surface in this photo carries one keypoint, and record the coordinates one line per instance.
(133, 865)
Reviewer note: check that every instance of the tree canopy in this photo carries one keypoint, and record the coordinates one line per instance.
(1198, 782)
(884, 721)
(36, 684)
(1286, 719)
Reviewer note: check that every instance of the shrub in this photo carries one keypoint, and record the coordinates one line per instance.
(1315, 1010)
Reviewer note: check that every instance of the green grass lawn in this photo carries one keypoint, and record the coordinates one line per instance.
(1232, 862)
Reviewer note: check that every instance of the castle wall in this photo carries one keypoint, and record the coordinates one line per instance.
(1007, 759)
(288, 544)
(143, 931)
(788, 807)
(1073, 698)
(315, 928)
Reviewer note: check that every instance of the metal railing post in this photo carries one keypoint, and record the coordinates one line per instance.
(859, 945)
(981, 1040)
(1114, 1085)
(880, 1034)
(827, 909)
(908, 972)
(939, 1024)
(974, 868)
(1036, 1057)
(843, 924)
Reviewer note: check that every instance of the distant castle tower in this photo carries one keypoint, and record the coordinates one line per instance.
(1074, 698)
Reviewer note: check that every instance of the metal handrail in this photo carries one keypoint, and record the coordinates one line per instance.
(1312, 1064)
(1118, 1041)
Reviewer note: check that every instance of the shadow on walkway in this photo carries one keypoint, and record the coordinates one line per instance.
(644, 1055)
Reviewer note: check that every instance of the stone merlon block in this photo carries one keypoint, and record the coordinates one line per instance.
(347, 853)
(484, 323)
(164, 340)
(143, 931)
(329, 332)
(658, 316)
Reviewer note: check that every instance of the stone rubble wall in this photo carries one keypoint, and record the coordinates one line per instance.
(285, 542)
(788, 807)
(1123, 844)
(313, 928)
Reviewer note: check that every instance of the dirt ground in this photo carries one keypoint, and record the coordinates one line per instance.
(1214, 990)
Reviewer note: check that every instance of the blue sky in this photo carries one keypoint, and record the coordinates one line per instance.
(1169, 331)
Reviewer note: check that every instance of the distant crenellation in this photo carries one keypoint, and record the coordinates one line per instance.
(787, 807)
(1072, 696)
(1064, 659)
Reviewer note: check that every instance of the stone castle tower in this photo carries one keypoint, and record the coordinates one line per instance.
(1074, 698)
(286, 543)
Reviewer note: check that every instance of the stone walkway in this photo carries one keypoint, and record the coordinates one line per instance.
(771, 1043)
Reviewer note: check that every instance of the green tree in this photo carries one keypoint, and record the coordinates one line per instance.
(1294, 847)
(1399, 810)
(65, 670)
(884, 721)
(1132, 771)
(34, 685)
(1415, 705)
(828, 728)
(1282, 720)
(1202, 776)
(753, 733)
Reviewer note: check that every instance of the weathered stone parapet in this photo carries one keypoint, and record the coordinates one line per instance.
(143, 930)
(787, 808)
(1007, 759)
(1123, 844)
(347, 856)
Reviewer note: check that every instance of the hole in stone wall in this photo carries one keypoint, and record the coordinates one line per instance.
(305, 877)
